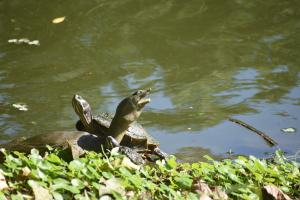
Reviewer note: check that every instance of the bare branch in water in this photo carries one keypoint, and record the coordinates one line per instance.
(267, 138)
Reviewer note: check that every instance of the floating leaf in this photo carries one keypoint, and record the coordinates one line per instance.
(20, 106)
(12, 40)
(34, 42)
(23, 40)
(58, 20)
(289, 130)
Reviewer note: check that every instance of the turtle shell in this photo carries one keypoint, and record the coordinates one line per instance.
(76, 141)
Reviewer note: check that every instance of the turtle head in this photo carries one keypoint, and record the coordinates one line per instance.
(131, 107)
(82, 109)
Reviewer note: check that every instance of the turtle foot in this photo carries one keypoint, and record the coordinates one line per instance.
(160, 153)
(133, 155)
(111, 142)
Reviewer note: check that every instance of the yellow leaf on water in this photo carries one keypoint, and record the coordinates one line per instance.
(58, 20)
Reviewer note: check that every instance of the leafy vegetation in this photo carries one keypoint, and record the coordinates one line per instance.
(99, 175)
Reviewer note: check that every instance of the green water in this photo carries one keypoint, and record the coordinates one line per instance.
(205, 61)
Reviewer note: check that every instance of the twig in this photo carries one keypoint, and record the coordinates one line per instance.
(93, 9)
(251, 128)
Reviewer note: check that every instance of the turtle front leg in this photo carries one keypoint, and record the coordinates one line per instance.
(133, 155)
(112, 142)
(160, 153)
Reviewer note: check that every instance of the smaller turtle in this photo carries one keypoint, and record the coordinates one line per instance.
(123, 126)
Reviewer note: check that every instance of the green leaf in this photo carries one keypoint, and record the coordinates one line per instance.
(124, 171)
(60, 183)
(39, 174)
(77, 183)
(136, 180)
(94, 172)
(54, 159)
(2, 196)
(184, 181)
(171, 162)
(76, 165)
(57, 196)
(96, 185)
(17, 196)
(107, 175)
(208, 158)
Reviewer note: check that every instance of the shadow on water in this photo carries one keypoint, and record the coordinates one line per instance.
(205, 60)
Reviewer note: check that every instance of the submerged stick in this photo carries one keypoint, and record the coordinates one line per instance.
(251, 128)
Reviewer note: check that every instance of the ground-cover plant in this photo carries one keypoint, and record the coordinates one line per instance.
(97, 176)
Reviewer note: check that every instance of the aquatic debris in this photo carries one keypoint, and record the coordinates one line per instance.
(24, 41)
(34, 42)
(267, 138)
(20, 106)
(58, 20)
(230, 152)
(288, 130)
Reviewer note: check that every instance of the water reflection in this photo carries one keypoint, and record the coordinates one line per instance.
(204, 60)
(194, 154)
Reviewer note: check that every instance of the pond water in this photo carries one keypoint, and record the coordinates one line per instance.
(205, 61)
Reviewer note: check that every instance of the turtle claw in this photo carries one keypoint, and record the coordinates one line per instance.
(160, 153)
(133, 155)
(112, 142)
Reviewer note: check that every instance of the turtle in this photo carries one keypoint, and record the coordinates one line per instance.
(73, 143)
(121, 129)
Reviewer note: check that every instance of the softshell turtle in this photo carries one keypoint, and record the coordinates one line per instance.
(122, 128)
(75, 141)
(73, 144)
